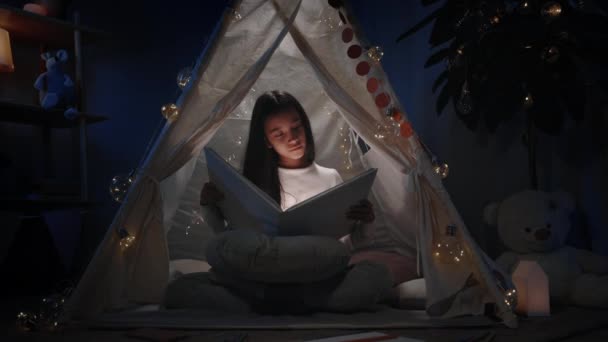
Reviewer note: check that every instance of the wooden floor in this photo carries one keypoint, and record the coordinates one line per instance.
(571, 324)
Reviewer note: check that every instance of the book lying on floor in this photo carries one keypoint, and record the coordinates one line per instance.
(247, 206)
(367, 337)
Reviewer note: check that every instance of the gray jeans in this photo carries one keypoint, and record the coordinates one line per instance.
(296, 273)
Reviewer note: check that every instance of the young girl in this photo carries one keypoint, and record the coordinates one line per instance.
(280, 157)
(280, 160)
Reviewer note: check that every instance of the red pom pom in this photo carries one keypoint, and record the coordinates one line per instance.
(363, 68)
(406, 129)
(382, 100)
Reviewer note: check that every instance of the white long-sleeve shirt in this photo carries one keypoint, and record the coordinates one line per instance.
(298, 185)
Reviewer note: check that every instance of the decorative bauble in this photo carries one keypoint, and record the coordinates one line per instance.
(375, 53)
(119, 186)
(126, 239)
(26, 321)
(386, 129)
(551, 10)
(170, 111)
(183, 77)
(236, 16)
(442, 169)
(447, 249)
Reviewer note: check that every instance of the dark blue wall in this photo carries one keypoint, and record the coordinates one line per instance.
(129, 77)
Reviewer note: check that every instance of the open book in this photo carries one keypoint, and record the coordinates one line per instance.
(247, 206)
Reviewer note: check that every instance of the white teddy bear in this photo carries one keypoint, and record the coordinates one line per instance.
(534, 226)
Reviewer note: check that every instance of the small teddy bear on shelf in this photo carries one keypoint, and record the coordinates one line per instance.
(534, 225)
(55, 86)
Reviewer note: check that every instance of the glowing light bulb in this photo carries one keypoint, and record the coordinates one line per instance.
(170, 111)
(528, 101)
(551, 10)
(375, 53)
(183, 77)
(511, 298)
(236, 16)
(442, 169)
(119, 186)
(126, 239)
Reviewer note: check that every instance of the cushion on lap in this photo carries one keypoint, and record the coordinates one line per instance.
(295, 259)
(406, 295)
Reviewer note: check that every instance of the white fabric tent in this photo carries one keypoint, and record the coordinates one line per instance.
(300, 47)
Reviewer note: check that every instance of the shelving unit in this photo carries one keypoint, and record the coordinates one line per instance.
(24, 25)
(38, 116)
(51, 33)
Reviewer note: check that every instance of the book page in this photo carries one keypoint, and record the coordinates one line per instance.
(325, 213)
(245, 206)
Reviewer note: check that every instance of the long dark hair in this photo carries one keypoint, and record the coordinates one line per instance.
(261, 163)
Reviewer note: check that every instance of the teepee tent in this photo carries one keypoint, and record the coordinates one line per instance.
(311, 50)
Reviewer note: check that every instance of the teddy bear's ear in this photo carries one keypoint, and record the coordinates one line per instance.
(490, 213)
(45, 55)
(564, 200)
(62, 55)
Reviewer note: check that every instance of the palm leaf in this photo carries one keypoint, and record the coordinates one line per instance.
(437, 57)
(443, 98)
(440, 79)
(444, 28)
(420, 24)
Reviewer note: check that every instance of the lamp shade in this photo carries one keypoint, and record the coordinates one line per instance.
(532, 287)
(6, 55)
